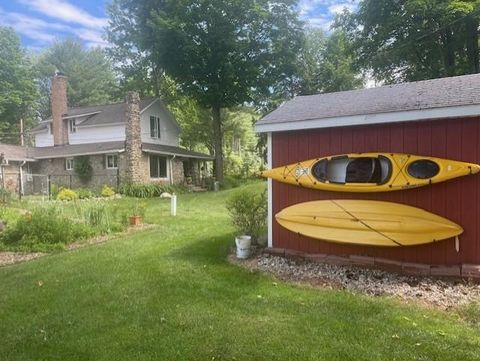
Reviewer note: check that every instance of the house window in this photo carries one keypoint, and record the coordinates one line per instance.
(112, 161)
(155, 127)
(72, 125)
(158, 167)
(69, 163)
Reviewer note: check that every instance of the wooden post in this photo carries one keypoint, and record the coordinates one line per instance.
(118, 177)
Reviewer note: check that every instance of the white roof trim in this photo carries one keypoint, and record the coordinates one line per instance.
(111, 151)
(80, 115)
(100, 125)
(367, 119)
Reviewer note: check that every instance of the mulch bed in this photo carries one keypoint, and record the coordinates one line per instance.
(443, 293)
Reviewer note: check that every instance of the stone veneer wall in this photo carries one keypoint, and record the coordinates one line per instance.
(55, 168)
(101, 176)
(135, 162)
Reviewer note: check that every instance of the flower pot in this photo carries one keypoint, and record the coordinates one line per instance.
(243, 246)
(135, 220)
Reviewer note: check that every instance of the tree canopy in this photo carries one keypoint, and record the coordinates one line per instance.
(415, 39)
(18, 93)
(221, 53)
(326, 64)
(91, 80)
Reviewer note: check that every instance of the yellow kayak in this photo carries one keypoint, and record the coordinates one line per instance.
(370, 172)
(372, 223)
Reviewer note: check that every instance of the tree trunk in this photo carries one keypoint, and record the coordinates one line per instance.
(472, 45)
(449, 52)
(218, 143)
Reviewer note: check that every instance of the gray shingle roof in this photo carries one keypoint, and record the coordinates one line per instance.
(14, 152)
(73, 150)
(428, 94)
(103, 114)
(171, 150)
(18, 153)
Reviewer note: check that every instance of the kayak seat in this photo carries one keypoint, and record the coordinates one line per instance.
(319, 170)
(361, 170)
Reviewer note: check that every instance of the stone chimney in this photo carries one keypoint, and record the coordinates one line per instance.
(133, 140)
(58, 100)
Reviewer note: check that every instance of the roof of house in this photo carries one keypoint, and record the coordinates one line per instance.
(364, 106)
(14, 153)
(98, 115)
(18, 153)
(170, 150)
(73, 150)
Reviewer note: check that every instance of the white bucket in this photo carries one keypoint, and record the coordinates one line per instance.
(243, 246)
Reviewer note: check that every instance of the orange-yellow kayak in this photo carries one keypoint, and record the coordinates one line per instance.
(371, 223)
(370, 172)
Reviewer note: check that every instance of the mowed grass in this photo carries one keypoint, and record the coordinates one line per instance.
(169, 294)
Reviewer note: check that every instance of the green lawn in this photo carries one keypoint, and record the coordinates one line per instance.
(169, 294)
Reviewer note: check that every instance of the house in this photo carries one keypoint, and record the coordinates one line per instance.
(134, 141)
(438, 117)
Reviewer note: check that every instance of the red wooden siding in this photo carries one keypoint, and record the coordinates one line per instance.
(457, 200)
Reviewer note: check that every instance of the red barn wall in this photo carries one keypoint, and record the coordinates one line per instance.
(457, 200)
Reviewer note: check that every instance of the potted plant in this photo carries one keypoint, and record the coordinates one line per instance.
(248, 212)
(138, 212)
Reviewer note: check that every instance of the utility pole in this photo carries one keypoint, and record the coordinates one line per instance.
(22, 138)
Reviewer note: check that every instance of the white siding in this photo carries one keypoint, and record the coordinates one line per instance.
(169, 131)
(44, 139)
(110, 133)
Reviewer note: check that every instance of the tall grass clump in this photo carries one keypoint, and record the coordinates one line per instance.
(148, 190)
(101, 217)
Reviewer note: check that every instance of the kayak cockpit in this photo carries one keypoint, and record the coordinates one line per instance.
(343, 169)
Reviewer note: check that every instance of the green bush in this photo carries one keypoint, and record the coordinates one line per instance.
(45, 226)
(83, 169)
(54, 190)
(84, 193)
(148, 190)
(9, 216)
(107, 191)
(67, 194)
(248, 212)
(5, 195)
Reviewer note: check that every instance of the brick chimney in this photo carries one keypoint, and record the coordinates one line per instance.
(58, 101)
(134, 172)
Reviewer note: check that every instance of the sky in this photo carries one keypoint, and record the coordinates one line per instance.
(41, 22)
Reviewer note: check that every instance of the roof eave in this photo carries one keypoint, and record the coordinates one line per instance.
(109, 151)
(178, 154)
(470, 110)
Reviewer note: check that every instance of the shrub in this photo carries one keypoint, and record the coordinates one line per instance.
(107, 191)
(248, 211)
(5, 195)
(46, 226)
(84, 193)
(67, 194)
(9, 216)
(83, 168)
(54, 190)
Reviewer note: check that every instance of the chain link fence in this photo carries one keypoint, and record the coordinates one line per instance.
(16, 184)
